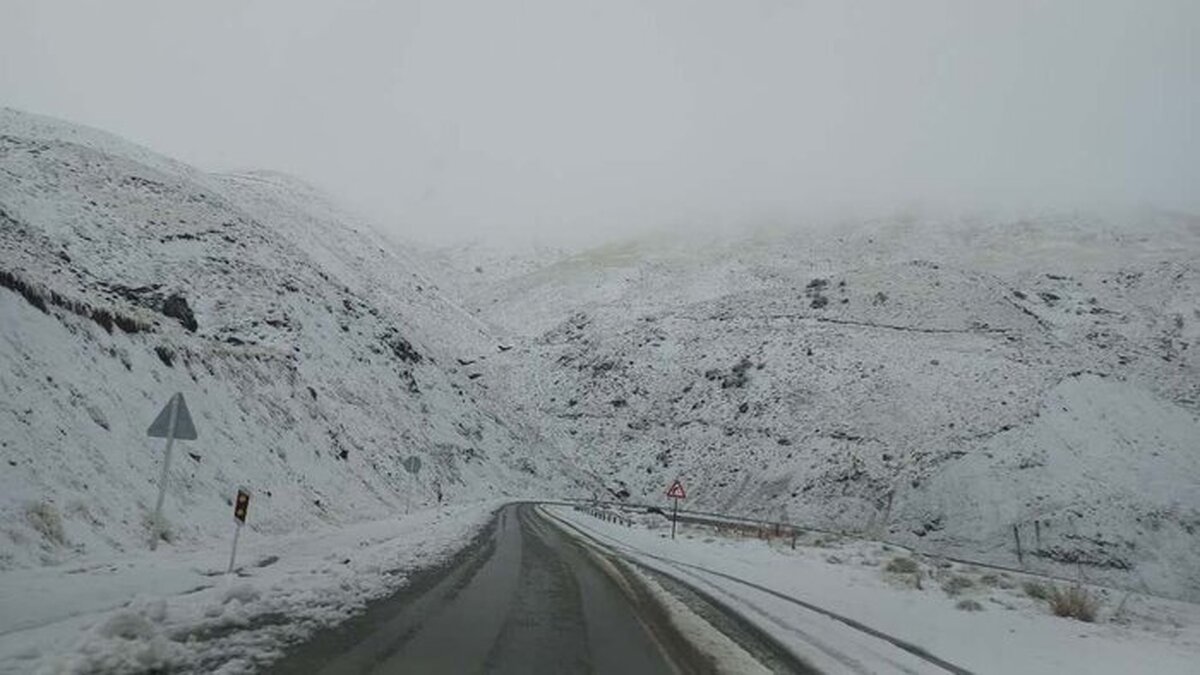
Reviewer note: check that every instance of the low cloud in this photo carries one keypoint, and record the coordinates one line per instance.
(468, 118)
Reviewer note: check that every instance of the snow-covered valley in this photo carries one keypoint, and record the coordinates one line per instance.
(1016, 391)
(954, 385)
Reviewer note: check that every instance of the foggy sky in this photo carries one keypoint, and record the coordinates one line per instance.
(469, 118)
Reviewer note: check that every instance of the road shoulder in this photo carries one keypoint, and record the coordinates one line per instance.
(176, 610)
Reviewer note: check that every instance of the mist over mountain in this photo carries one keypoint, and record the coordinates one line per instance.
(938, 382)
(580, 122)
(315, 355)
(750, 336)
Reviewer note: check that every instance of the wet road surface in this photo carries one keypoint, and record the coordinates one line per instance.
(526, 599)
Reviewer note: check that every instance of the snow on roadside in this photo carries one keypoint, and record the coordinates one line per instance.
(1007, 631)
(176, 609)
(727, 655)
(941, 383)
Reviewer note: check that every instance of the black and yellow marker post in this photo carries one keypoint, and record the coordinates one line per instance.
(240, 506)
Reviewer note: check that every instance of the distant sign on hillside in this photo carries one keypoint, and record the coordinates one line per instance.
(182, 428)
(412, 465)
(174, 421)
(241, 505)
(676, 491)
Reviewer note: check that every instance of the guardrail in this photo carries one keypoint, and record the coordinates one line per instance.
(769, 529)
(761, 529)
(604, 514)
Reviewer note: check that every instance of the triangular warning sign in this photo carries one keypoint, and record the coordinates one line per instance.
(676, 491)
(184, 429)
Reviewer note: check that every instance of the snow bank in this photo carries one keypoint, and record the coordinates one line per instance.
(176, 610)
(1010, 632)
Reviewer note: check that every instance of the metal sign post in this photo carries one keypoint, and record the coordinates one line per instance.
(413, 466)
(676, 493)
(173, 422)
(239, 514)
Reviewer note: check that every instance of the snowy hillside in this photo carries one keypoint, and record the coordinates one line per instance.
(314, 356)
(939, 383)
(954, 385)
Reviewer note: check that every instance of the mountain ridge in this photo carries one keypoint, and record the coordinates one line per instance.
(952, 384)
(131, 277)
(839, 377)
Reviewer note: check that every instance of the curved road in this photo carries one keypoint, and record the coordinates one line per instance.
(525, 598)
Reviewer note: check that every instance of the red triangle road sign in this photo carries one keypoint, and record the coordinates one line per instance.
(676, 490)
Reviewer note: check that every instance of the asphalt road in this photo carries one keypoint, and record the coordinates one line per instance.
(525, 598)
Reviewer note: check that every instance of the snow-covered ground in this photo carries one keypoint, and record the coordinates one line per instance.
(979, 620)
(175, 610)
(957, 385)
(314, 355)
(937, 381)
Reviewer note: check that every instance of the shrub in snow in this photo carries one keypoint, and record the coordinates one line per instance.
(904, 570)
(738, 376)
(997, 580)
(44, 518)
(902, 566)
(969, 606)
(957, 584)
(1035, 590)
(32, 294)
(1075, 602)
(165, 354)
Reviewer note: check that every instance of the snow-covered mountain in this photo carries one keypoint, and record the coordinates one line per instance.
(313, 353)
(950, 384)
